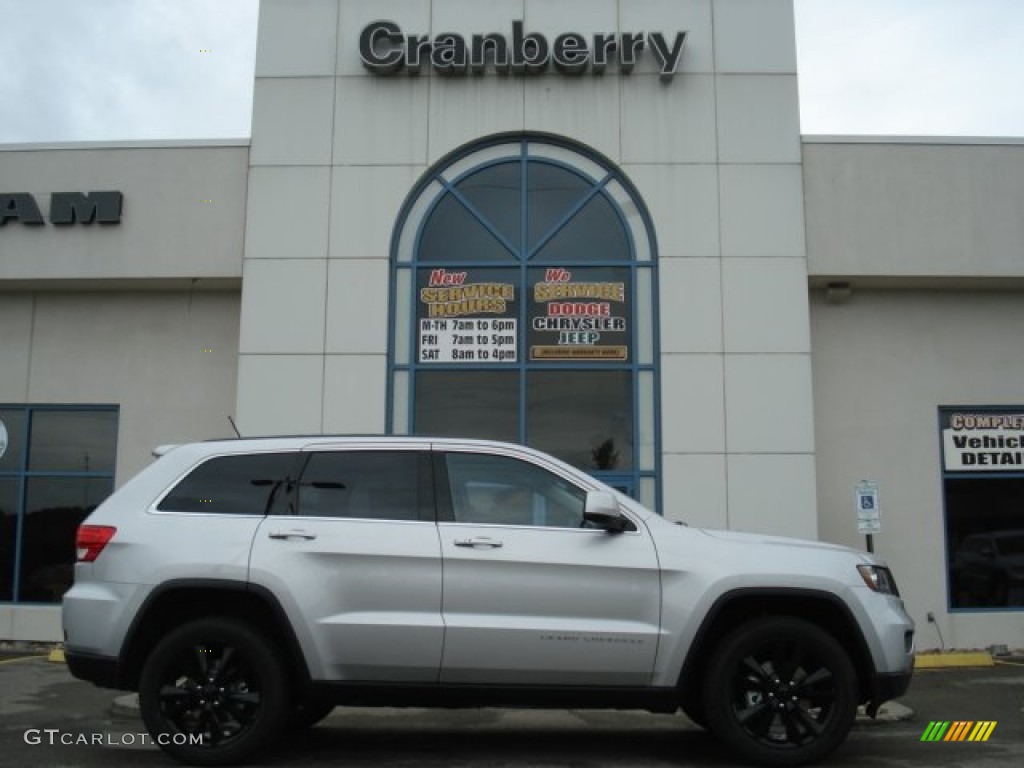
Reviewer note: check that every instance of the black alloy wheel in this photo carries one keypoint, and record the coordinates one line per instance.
(781, 691)
(213, 692)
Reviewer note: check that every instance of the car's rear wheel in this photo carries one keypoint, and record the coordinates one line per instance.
(780, 691)
(213, 692)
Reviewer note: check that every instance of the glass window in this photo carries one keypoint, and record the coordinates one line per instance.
(482, 404)
(235, 485)
(73, 441)
(56, 466)
(494, 193)
(377, 485)
(54, 508)
(496, 490)
(9, 491)
(452, 233)
(594, 233)
(552, 194)
(584, 418)
(983, 484)
(12, 439)
(524, 307)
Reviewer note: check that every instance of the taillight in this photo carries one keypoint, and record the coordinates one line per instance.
(91, 540)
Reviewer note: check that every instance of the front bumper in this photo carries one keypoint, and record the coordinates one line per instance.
(99, 670)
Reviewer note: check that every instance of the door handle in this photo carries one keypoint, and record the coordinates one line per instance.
(478, 541)
(292, 534)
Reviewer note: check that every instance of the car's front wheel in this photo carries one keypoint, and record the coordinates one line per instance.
(780, 691)
(213, 692)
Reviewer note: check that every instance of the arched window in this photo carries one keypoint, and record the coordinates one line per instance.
(523, 292)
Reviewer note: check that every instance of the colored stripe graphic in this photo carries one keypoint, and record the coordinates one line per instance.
(959, 730)
(982, 731)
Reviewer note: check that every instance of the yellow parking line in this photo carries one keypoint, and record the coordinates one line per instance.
(21, 658)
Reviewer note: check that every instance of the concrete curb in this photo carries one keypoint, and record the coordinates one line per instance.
(953, 659)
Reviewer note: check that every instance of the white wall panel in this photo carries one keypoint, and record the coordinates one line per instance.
(765, 304)
(16, 311)
(691, 305)
(755, 36)
(577, 107)
(694, 486)
(283, 306)
(773, 494)
(304, 41)
(462, 110)
(692, 405)
(291, 121)
(758, 119)
(683, 203)
(168, 359)
(280, 394)
(668, 122)
(762, 210)
(357, 308)
(768, 404)
(287, 213)
(380, 121)
(365, 202)
(354, 394)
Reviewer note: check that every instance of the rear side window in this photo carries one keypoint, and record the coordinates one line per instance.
(376, 485)
(250, 484)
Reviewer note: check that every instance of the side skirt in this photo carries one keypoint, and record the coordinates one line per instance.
(660, 700)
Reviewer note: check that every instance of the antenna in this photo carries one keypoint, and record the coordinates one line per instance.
(234, 426)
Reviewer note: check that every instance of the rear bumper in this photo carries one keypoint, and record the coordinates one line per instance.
(99, 670)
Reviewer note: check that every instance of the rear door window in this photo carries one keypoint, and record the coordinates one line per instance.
(366, 484)
(250, 484)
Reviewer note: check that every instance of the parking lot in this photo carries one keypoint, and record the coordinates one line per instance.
(47, 718)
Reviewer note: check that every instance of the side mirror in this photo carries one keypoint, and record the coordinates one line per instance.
(602, 510)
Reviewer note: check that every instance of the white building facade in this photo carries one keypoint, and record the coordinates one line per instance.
(592, 227)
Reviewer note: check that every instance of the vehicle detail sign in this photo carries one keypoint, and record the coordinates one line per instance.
(467, 316)
(983, 441)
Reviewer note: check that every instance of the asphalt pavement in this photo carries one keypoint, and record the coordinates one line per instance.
(50, 720)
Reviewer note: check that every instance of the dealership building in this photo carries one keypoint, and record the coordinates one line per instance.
(591, 226)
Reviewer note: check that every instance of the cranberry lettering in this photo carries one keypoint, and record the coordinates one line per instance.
(385, 50)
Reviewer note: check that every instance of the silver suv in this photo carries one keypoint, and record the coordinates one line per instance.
(246, 587)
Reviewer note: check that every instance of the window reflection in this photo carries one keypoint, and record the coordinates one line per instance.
(54, 508)
(73, 441)
(985, 533)
(482, 404)
(584, 418)
(9, 487)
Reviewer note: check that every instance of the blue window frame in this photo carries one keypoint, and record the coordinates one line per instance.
(524, 306)
(56, 465)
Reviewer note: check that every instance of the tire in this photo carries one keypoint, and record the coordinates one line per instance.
(216, 680)
(780, 691)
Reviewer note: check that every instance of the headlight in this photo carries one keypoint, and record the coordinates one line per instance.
(879, 579)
